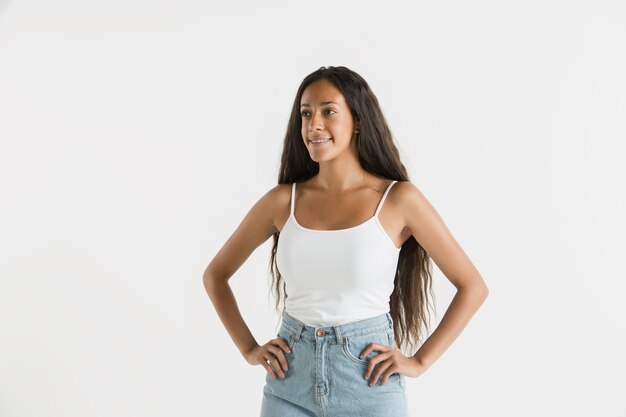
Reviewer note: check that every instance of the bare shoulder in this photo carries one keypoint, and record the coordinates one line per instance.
(406, 192)
(255, 228)
(280, 201)
(412, 206)
(432, 233)
(273, 205)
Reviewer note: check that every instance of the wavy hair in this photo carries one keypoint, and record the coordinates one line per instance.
(377, 154)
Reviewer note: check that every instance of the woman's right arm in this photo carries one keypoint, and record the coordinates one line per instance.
(256, 227)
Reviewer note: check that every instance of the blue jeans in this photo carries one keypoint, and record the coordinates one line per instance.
(325, 375)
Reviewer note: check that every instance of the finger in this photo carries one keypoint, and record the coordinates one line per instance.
(390, 371)
(271, 367)
(283, 345)
(280, 355)
(382, 368)
(276, 365)
(268, 369)
(371, 347)
(278, 351)
(372, 363)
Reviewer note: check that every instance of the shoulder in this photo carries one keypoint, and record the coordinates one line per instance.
(405, 192)
(277, 194)
(276, 203)
(272, 201)
(411, 205)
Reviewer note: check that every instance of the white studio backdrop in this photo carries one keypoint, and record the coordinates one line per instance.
(135, 135)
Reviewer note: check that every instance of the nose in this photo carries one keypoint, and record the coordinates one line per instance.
(315, 122)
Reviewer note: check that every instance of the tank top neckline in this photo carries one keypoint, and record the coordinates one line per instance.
(295, 221)
(374, 218)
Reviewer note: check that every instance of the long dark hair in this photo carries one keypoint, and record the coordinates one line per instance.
(409, 302)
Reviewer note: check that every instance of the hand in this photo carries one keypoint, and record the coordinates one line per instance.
(272, 351)
(390, 361)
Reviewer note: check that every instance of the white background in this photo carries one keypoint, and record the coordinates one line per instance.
(135, 135)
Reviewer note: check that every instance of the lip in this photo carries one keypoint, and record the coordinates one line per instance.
(319, 144)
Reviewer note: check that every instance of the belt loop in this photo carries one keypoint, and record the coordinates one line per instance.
(390, 320)
(338, 334)
(299, 331)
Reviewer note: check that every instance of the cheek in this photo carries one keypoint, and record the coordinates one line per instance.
(343, 129)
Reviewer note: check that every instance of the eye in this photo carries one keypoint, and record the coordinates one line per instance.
(304, 113)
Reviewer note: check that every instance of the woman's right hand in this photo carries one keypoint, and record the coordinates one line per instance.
(272, 351)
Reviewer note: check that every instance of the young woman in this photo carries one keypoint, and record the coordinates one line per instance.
(352, 243)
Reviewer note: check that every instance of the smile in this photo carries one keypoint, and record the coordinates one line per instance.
(319, 142)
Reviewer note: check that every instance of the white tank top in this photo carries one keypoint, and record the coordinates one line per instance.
(335, 277)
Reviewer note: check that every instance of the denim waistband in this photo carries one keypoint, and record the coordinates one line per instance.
(361, 327)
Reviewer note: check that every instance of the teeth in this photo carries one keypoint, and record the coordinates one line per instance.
(320, 141)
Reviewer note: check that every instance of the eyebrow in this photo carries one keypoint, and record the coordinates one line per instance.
(323, 103)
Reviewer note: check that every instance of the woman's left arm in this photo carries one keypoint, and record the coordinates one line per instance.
(429, 229)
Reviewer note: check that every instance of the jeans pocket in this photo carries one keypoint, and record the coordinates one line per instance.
(289, 337)
(354, 345)
(396, 375)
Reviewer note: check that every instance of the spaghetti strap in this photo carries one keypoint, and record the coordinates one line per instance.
(293, 196)
(382, 200)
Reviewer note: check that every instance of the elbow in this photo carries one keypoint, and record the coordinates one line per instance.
(210, 279)
(484, 292)
(476, 291)
(207, 280)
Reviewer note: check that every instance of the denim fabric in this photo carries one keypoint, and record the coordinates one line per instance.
(325, 375)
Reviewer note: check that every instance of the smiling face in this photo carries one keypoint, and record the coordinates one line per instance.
(327, 123)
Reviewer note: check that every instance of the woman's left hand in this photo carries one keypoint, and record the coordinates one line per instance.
(389, 361)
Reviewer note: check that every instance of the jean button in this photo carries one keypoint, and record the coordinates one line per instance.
(321, 332)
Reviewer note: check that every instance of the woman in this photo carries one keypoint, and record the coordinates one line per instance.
(353, 238)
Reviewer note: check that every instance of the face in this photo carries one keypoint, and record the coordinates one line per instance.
(326, 119)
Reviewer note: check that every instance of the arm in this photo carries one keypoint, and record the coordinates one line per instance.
(430, 231)
(256, 227)
(225, 305)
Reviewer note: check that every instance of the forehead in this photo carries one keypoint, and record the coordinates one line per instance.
(321, 92)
